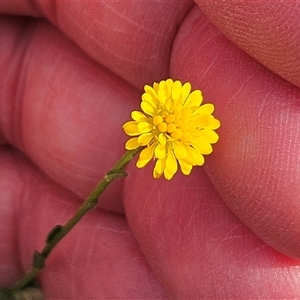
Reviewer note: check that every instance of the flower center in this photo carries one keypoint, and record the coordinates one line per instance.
(174, 124)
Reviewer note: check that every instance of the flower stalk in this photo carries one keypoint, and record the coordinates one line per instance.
(59, 231)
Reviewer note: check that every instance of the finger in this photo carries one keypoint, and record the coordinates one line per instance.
(61, 108)
(197, 247)
(10, 270)
(99, 259)
(267, 30)
(255, 166)
(132, 39)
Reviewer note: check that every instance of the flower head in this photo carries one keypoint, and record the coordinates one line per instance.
(173, 127)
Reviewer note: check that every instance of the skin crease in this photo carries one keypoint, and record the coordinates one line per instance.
(182, 240)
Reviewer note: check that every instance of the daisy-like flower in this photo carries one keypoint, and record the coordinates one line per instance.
(174, 128)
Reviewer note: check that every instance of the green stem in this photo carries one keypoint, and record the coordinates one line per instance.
(59, 231)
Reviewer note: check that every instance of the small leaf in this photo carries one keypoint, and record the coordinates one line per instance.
(53, 233)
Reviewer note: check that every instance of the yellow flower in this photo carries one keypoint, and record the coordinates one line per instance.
(174, 128)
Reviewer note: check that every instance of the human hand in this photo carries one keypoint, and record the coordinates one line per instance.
(63, 107)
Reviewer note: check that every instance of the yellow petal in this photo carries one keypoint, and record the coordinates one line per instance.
(192, 126)
(194, 157)
(203, 146)
(209, 135)
(132, 144)
(186, 89)
(145, 138)
(194, 99)
(160, 151)
(168, 87)
(171, 163)
(162, 139)
(141, 163)
(138, 116)
(186, 115)
(151, 91)
(161, 84)
(204, 120)
(169, 104)
(155, 86)
(145, 156)
(144, 127)
(185, 167)
(169, 82)
(147, 108)
(159, 168)
(162, 96)
(186, 137)
(176, 90)
(130, 128)
(147, 97)
(155, 174)
(179, 150)
(206, 109)
(168, 175)
(214, 124)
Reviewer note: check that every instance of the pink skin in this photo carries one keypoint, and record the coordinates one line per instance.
(64, 94)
